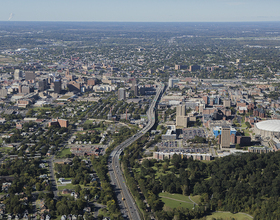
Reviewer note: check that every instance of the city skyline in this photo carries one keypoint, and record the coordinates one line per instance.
(141, 11)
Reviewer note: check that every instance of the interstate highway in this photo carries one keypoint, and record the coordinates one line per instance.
(127, 205)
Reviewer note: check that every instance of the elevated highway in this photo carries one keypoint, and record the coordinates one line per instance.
(126, 203)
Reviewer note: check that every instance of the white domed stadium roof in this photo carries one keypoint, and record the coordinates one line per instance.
(269, 125)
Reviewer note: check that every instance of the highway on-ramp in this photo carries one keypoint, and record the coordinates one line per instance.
(126, 202)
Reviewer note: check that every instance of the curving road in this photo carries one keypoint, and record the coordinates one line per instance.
(126, 203)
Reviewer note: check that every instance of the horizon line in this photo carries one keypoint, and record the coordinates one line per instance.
(151, 21)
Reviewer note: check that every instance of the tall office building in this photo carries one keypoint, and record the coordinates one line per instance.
(25, 89)
(20, 89)
(134, 86)
(135, 89)
(225, 138)
(57, 86)
(3, 92)
(181, 110)
(121, 94)
(171, 82)
(227, 103)
(180, 67)
(74, 86)
(194, 68)
(68, 75)
(42, 85)
(17, 74)
(134, 82)
(181, 118)
(30, 75)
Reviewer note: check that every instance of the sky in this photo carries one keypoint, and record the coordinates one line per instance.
(140, 10)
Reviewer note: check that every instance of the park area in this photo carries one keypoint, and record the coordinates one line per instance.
(228, 216)
(176, 200)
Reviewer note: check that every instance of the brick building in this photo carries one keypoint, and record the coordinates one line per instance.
(61, 122)
(259, 112)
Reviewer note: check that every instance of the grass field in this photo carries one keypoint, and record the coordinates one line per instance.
(64, 152)
(67, 186)
(5, 149)
(42, 108)
(228, 216)
(88, 121)
(246, 133)
(174, 204)
(176, 200)
(7, 60)
(196, 199)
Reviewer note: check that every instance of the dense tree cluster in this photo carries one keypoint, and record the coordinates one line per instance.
(68, 205)
(107, 194)
(15, 138)
(15, 205)
(25, 175)
(78, 171)
(240, 183)
(101, 169)
(248, 182)
(150, 186)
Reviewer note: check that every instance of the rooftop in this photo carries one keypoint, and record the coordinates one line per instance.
(269, 125)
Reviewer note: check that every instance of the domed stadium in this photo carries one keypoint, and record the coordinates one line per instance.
(267, 129)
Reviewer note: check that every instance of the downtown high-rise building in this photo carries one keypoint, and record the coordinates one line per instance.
(30, 75)
(121, 94)
(17, 74)
(225, 138)
(57, 86)
(42, 85)
(181, 118)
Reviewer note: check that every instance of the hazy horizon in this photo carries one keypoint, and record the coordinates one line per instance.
(141, 11)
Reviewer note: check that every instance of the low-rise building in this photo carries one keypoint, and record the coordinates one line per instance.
(169, 155)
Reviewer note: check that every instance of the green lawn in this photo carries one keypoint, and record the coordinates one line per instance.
(64, 152)
(174, 204)
(196, 199)
(176, 196)
(176, 200)
(89, 121)
(67, 186)
(228, 216)
(246, 133)
(5, 149)
(70, 186)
